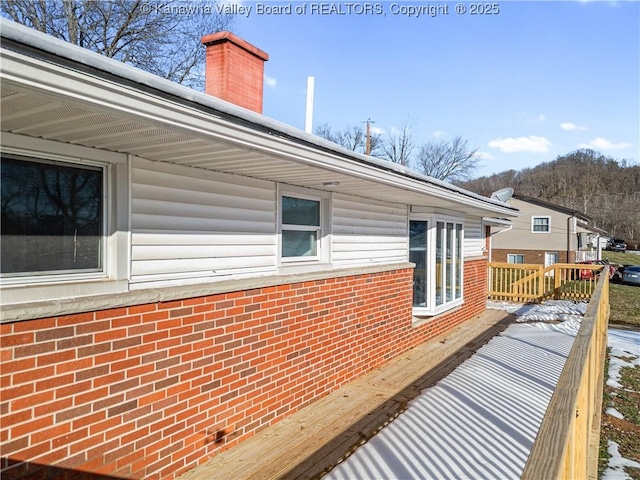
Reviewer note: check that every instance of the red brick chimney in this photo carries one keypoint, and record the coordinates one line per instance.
(234, 70)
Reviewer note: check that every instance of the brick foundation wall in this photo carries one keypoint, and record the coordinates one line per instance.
(535, 257)
(152, 390)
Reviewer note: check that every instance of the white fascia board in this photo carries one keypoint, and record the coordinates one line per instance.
(111, 97)
(502, 222)
(59, 48)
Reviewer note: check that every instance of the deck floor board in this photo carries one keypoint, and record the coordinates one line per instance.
(312, 440)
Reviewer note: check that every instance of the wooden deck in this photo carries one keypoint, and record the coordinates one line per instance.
(310, 442)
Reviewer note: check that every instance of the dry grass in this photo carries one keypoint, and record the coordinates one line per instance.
(624, 299)
(625, 432)
(625, 304)
(621, 258)
(625, 309)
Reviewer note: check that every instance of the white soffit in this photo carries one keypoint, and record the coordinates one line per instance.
(51, 101)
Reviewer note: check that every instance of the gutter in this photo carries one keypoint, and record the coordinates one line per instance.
(27, 41)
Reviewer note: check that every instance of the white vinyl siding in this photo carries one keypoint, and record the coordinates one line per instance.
(367, 231)
(192, 225)
(473, 237)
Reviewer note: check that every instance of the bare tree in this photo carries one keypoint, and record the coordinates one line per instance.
(398, 146)
(160, 37)
(606, 189)
(353, 138)
(324, 131)
(447, 160)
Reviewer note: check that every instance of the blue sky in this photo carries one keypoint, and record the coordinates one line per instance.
(534, 81)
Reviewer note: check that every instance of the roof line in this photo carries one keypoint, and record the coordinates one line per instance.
(553, 206)
(16, 37)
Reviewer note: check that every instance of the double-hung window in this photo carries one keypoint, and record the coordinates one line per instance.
(541, 224)
(435, 247)
(301, 230)
(303, 225)
(53, 217)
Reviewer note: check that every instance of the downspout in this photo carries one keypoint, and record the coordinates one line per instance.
(501, 231)
(489, 279)
(569, 236)
(495, 233)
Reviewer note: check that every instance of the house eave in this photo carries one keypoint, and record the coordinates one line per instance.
(498, 222)
(36, 65)
(552, 206)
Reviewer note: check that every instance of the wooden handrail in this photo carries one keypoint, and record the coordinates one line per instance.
(534, 283)
(566, 446)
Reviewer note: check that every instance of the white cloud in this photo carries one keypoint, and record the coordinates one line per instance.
(571, 126)
(437, 134)
(484, 156)
(376, 130)
(604, 144)
(270, 81)
(541, 117)
(531, 144)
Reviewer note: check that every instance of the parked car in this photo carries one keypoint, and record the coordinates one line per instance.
(617, 245)
(631, 275)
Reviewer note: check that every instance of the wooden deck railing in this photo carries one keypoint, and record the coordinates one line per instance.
(566, 446)
(534, 283)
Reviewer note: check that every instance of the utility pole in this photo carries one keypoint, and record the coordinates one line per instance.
(367, 149)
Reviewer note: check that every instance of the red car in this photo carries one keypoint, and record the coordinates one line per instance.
(589, 274)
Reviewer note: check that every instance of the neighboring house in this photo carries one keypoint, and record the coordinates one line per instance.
(179, 272)
(545, 234)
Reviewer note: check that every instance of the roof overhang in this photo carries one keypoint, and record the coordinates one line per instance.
(496, 222)
(591, 229)
(57, 91)
(582, 217)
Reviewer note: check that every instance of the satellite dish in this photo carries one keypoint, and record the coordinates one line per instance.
(504, 194)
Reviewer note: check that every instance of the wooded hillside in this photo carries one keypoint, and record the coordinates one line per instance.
(606, 189)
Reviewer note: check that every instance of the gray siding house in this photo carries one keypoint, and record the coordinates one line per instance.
(545, 234)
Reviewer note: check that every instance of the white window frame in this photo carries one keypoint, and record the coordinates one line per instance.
(114, 274)
(533, 219)
(431, 308)
(62, 275)
(556, 256)
(323, 230)
(513, 255)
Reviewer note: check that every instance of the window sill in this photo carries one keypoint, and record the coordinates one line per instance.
(52, 292)
(421, 317)
(303, 267)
